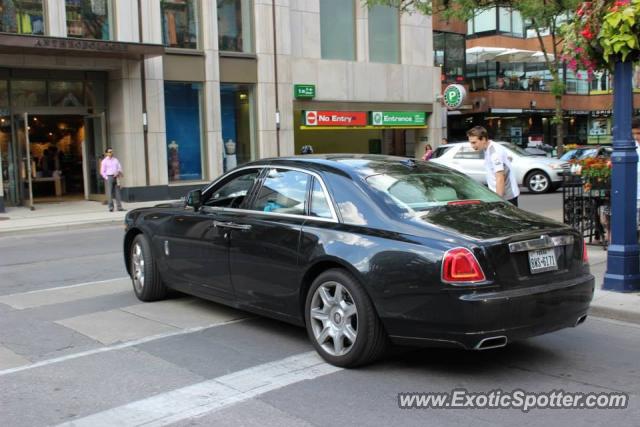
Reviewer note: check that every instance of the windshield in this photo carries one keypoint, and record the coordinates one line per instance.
(517, 150)
(416, 191)
(573, 154)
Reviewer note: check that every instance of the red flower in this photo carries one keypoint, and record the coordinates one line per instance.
(586, 33)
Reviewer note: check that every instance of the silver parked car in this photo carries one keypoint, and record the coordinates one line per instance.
(538, 174)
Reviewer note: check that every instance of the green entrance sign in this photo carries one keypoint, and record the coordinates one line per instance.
(454, 96)
(304, 91)
(398, 118)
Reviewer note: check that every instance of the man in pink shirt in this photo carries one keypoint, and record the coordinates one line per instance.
(110, 170)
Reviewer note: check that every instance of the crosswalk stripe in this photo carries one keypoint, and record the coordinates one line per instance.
(63, 294)
(212, 395)
(120, 346)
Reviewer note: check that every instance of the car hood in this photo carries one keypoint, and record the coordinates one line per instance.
(488, 220)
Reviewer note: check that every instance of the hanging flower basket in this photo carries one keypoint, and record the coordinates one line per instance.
(601, 33)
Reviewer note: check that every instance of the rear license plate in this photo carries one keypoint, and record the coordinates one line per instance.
(542, 260)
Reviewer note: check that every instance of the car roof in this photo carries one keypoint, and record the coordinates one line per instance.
(344, 163)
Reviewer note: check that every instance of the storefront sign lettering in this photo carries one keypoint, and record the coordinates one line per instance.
(335, 118)
(395, 118)
(304, 91)
(91, 45)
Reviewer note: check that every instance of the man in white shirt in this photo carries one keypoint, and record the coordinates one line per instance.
(500, 176)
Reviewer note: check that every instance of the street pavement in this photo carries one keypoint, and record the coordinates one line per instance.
(77, 348)
(88, 353)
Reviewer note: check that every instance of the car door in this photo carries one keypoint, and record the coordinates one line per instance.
(264, 255)
(470, 162)
(197, 251)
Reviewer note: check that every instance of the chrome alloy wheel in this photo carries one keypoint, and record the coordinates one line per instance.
(538, 182)
(137, 263)
(334, 318)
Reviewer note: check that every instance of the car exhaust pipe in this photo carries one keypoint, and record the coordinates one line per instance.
(491, 342)
(580, 320)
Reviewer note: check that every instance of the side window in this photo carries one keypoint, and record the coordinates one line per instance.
(319, 203)
(440, 151)
(232, 193)
(469, 153)
(283, 191)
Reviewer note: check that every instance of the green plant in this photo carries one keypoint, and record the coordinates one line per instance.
(602, 32)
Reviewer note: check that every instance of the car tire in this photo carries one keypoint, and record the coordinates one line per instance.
(147, 284)
(345, 331)
(538, 182)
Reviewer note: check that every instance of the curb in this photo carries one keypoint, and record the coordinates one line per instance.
(614, 314)
(18, 231)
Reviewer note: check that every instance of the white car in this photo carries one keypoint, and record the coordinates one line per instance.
(538, 174)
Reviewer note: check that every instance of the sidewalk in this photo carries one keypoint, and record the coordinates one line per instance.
(62, 216)
(72, 215)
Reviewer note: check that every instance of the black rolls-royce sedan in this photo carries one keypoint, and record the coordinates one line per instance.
(364, 250)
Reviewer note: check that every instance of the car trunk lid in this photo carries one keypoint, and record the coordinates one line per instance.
(519, 248)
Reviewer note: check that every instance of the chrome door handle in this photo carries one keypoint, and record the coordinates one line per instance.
(233, 225)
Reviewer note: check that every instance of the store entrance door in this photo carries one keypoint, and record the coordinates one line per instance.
(54, 156)
(26, 168)
(94, 146)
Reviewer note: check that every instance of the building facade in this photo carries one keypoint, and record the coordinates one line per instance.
(183, 90)
(509, 86)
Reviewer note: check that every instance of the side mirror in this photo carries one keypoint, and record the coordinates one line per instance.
(194, 199)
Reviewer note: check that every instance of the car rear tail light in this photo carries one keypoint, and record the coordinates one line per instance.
(464, 202)
(585, 254)
(459, 265)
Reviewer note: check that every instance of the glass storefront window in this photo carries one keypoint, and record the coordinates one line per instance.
(4, 94)
(88, 19)
(183, 115)
(449, 54)
(237, 105)
(66, 94)
(28, 93)
(96, 94)
(384, 34)
(234, 26)
(485, 20)
(179, 23)
(337, 30)
(22, 17)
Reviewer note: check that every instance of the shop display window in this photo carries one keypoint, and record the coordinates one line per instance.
(183, 114)
(88, 19)
(234, 26)
(179, 23)
(21, 16)
(237, 108)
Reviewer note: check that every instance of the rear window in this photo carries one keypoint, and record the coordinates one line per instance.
(416, 191)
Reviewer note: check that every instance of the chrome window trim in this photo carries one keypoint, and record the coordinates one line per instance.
(334, 216)
(543, 242)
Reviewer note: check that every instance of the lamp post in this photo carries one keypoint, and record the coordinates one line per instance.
(623, 272)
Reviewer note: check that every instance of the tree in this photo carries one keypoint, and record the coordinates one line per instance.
(543, 16)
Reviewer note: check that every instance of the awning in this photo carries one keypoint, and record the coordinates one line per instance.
(37, 45)
(479, 54)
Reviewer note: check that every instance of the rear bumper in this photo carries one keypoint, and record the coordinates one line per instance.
(473, 316)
